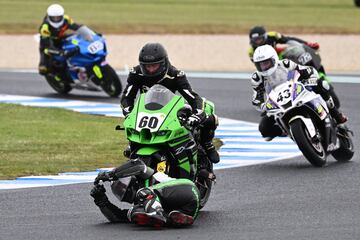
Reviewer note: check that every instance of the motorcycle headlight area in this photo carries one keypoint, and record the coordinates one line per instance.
(270, 105)
(287, 105)
(131, 131)
(162, 133)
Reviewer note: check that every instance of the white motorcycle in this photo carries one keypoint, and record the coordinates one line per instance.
(305, 117)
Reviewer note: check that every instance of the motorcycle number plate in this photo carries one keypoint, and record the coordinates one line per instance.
(95, 47)
(305, 58)
(150, 121)
(281, 95)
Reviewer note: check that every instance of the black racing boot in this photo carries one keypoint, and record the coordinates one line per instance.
(179, 219)
(127, 152)
(152, 213)
(338, 116)
(335, 113)
(211, 152)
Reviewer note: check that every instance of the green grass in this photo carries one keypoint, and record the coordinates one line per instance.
(40, 141)
(189, 16)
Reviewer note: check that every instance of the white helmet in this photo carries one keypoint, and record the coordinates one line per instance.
(266, 60)
(55, 15)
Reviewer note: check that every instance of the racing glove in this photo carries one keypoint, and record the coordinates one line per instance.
(62, 53)
(263, 107)
(104, 176)
(313, 45)
(98, 193)
(196, 118)
(53, 51)
(126, 111)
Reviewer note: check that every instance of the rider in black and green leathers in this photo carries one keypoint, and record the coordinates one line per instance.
(155, 68)
(158, 199)
(259, 36)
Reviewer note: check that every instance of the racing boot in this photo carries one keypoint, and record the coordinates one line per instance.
(335, 113)
(42, 70)
(179, 219)
(211, 152)
(127, 152)
(338, 116)
(149, 211)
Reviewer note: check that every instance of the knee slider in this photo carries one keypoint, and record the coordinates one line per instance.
(325, 85)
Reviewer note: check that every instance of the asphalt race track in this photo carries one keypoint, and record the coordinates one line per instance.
(288, 199)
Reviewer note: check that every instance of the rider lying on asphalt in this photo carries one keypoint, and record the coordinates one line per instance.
(167, 201)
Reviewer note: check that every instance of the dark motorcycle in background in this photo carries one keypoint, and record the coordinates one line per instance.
(305, 55)
(85, 65)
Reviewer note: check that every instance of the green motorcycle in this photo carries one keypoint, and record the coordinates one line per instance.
(158, 135)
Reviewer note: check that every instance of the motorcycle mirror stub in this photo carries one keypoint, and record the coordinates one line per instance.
(119, 128)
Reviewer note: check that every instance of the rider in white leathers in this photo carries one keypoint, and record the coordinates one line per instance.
(271, 72)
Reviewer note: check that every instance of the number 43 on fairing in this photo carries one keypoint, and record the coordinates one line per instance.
(150, 121)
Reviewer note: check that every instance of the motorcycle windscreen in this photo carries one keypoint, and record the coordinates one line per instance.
(157, 97)
(277, 78)
(85, 33)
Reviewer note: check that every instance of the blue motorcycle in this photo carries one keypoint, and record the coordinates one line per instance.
(82, 65)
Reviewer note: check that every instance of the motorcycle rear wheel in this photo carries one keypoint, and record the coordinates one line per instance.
(58, 85)
(111, 83)
(313, 152)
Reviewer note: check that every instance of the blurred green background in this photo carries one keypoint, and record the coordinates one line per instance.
(189, 16)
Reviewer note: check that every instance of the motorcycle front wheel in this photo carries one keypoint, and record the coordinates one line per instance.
(346, 150)
(313, 150)
(111, 83)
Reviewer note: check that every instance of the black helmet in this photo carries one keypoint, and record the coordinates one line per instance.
(153, 54)
(257, 36)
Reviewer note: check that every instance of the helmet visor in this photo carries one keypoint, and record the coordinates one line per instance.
(56, 19)
(258, 40)
(153, 68)
(265, 65)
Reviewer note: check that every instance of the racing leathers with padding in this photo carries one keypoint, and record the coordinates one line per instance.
(170, 195)
(308, 75)
(51, 41)
(174, 80)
